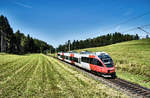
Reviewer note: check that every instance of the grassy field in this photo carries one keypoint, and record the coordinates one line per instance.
(37, 75)
(132, 60)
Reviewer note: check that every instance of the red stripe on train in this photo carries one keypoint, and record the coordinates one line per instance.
(91, 56)
(72, 55)
(63, 56)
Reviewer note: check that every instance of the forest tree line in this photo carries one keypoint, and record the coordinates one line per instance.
(18, 43)
(98, 41)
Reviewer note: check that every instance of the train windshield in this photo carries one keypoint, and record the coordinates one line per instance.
(106, 60)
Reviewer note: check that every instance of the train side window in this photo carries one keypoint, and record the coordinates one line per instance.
(83, 59)
(66, 57)
(60, 56)
(97, 62)
(63, 56)
(91, 60)
(75, 59)
(88, 60)
(70, 58)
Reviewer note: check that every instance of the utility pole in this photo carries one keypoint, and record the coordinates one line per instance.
(143, 31)
(55, 52)
(69, 45)
(50, 50)
(1, 40)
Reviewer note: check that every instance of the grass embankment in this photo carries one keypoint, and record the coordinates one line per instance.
(132, 60)
(37, 75)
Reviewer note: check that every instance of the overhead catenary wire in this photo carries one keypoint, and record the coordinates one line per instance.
(125, 22)
(128, 20)
(139, 28)
(133, 18)
(136, 28)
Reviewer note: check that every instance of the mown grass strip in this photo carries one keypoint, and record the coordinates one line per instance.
(14, 68)
(11, 87)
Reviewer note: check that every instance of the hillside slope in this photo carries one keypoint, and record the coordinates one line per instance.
(131, 58)
(37, 75)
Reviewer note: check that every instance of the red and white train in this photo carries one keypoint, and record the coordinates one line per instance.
(99, 62)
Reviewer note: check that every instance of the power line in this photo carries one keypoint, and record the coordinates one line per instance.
(133, 18)
(130, 19)
(132, 29)
(145, 26)
(143, 30)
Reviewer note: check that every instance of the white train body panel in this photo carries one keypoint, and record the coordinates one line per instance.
(90, 61)
(68, 55)
(79, 60)
(84, 64)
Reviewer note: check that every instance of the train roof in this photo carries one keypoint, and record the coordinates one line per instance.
(85, 52)
(93, 53)
(88, 53)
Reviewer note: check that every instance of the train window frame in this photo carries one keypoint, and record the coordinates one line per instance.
(71, 58)
(97, 62)
(75, 59)
(83, 59)
(62, 56)
(79, 60)
(86, 60)
(66, 57)
(91, 60)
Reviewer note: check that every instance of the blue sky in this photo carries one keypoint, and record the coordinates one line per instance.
(56, 21)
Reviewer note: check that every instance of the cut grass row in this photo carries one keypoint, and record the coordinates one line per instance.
(37, 75)
(132, 60)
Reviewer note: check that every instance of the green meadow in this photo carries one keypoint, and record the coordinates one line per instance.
(37, 75)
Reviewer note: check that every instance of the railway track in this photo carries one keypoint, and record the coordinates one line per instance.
(131, 89)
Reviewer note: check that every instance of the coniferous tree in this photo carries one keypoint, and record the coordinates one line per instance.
(6, 33)
(99, 41)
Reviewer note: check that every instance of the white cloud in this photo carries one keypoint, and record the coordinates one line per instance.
(23, 5)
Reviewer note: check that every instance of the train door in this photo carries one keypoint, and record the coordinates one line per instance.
(85, 63)
(72, 58)
(63, 57)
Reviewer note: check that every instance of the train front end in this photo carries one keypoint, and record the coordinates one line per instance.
(109, 67)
